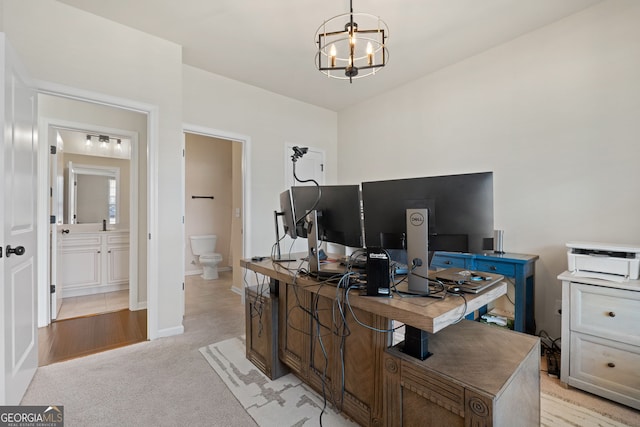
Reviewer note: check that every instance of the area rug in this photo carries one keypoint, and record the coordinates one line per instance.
(289, 402)
(286, 401)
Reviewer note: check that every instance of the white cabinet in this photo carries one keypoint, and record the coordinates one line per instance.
(601, 337)
(92, 263)
(117, 264)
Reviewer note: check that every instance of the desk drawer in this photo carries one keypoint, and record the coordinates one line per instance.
(504, 268)
(443, 261)
(607, 364)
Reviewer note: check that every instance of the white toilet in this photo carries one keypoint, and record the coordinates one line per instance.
(203, 247)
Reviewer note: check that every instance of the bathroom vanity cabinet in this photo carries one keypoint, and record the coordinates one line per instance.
(92, 263)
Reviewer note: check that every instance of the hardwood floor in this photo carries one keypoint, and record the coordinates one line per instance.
(81, 336)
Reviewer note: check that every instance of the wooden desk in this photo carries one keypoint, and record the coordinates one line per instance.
(428, 314)
(350, 362)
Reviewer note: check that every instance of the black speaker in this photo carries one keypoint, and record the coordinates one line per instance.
(377, 272)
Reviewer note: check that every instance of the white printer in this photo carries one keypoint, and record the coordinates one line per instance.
(614, 262)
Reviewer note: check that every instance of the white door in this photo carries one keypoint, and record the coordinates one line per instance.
(18, 324)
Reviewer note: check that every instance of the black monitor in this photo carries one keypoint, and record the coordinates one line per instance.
(286, 212)
(460, 211)
(338, 209)
(288, 224)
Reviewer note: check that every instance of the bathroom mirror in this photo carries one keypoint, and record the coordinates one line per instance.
(93, 194)
(93, 178)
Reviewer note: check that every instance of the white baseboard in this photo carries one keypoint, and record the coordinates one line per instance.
(196, 272)
(80, 291)
(139, 306)
(169, 332)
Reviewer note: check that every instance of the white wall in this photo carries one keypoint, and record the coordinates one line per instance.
(65, 46)
(554, 114)
(270, 121)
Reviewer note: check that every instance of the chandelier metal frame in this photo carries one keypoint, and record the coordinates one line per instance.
(348, 48)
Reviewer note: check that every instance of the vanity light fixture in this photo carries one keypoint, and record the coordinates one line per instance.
(350, 47)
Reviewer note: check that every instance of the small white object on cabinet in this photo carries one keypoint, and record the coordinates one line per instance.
(601, 337)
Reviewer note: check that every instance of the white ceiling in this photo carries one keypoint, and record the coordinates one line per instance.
(270, 43)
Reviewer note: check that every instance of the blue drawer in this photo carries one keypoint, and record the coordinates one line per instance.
(443, 261)
(504, 268)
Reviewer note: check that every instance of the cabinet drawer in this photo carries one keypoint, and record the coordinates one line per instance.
(606, 312)
(79, 240)
(443, 261)
(607, 364)
(116, 239)
(503, 268)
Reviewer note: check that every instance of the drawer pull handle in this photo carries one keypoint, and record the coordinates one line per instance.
(611, 365)
(492, 268)
(448, 262)
(612, 314)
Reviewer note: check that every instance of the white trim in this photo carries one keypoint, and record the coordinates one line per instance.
(93, 290)
(246, 180)
(169, 332)
(196, 272)
(152, 113)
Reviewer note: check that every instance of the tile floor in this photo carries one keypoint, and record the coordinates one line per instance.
(93, 304)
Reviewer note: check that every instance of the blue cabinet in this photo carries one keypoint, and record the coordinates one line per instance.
(518, 267)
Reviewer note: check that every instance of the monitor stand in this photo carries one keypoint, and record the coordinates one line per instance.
(418, 250)
(316, 268)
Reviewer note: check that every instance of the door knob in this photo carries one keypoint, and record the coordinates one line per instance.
(18, 250)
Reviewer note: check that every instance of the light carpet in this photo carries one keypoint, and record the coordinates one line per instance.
(289, 402)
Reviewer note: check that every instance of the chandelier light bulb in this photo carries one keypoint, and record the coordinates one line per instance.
(332, 55)
(369, 53)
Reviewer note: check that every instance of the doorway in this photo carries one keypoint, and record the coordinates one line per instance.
(97, 271)
(215, 174)
(93, 180)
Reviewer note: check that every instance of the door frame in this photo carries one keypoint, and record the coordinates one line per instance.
(246, 180)
(152, 113)
(45, 125)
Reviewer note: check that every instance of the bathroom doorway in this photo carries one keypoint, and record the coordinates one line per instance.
(95, 263)
(214, 199)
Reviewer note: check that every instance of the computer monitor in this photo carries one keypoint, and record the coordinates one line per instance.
(286, 212)
(460, 211)
(338, 210)
(288, 224)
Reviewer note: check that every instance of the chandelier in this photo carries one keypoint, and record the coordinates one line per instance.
(347, 50)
